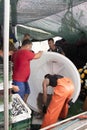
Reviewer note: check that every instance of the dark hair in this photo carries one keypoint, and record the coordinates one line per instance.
(11, 46)
(51, 39)
(25, 42)
(63, 40)
(53, 79)
(26, 34)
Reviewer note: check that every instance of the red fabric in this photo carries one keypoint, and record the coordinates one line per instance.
(58, 107)
(21, 65)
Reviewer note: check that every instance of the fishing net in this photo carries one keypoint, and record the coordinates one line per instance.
(65, 18)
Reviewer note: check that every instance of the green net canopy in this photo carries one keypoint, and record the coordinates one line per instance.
(65, 18)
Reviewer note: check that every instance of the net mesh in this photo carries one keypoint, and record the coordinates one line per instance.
(65, 18)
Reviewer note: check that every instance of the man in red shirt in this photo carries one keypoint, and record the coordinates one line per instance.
(21, 68)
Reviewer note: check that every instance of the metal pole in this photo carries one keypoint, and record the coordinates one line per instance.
(6, 62)
(16, 32)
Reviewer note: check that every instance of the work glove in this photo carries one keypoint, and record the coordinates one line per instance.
(44, 109)
(70, 103)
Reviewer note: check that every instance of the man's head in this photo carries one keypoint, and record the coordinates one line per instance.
(27, 44)
(51, 43)
(12, 48)
(26, 36)
(52, 79)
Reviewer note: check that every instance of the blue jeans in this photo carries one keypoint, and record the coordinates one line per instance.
(23, 88)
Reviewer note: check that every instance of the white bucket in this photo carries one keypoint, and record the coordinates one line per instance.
(53, 63)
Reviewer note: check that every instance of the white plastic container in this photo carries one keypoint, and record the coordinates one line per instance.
(19, 110)
(53, 63)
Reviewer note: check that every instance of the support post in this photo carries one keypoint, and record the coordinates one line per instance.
(6, 62)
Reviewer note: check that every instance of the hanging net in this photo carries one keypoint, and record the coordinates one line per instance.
(65, 18)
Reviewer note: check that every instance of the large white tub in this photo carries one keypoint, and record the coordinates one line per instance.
(52, 63)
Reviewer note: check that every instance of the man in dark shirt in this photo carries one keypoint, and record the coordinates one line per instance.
(63, 89)
(53, 47)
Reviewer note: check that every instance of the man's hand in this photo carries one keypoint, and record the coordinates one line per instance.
(15, 88)
(38, 55)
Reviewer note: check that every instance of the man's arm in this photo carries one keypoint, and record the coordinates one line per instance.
(60, 50)
(38, 55)
(44, 85)
(1, 53)
(63, 53)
